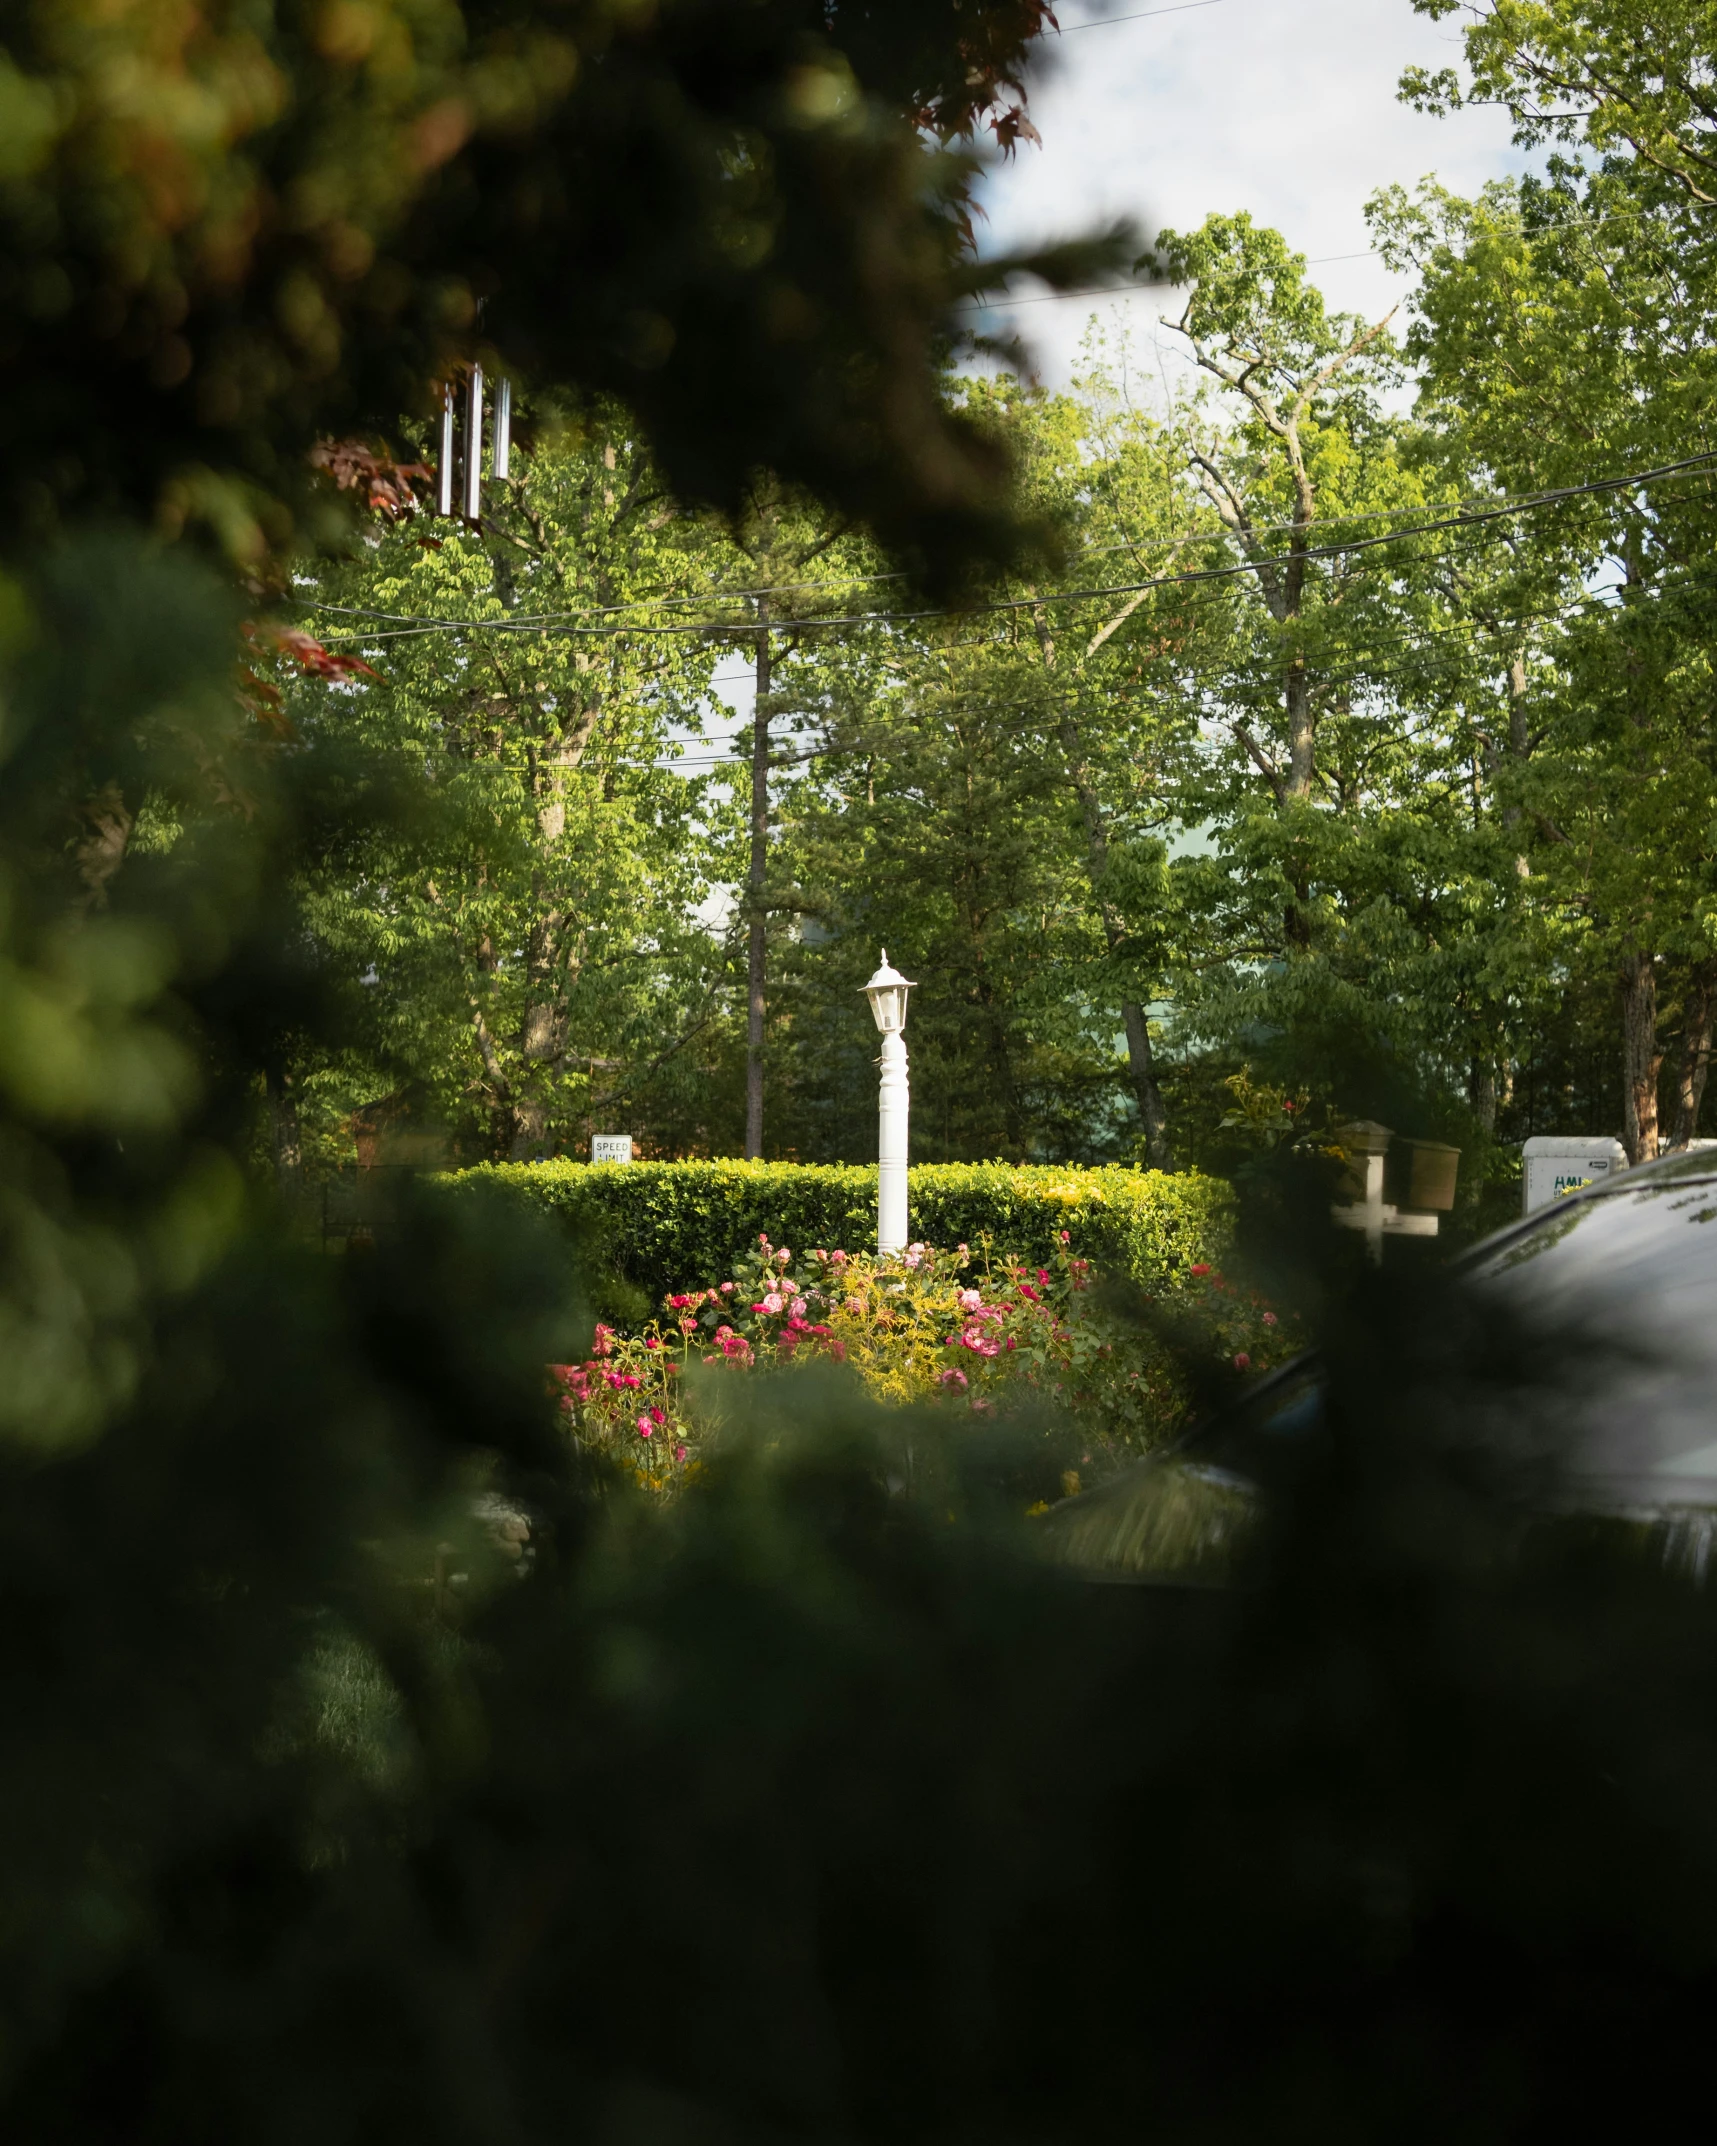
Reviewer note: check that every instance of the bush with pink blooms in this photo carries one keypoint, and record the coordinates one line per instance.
(955, 1329)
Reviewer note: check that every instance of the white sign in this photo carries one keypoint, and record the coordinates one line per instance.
(611, 1147)
(1554, 1168)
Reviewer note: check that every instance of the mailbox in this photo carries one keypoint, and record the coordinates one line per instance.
(1557, 1166)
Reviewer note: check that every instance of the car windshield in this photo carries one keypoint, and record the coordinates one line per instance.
(1628, 1274)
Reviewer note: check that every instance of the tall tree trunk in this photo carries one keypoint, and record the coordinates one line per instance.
(1519, 747)
(543, 1029)
(757, 977)
(1695, 1053)
(1297, 787)
(542, 1043)
(1641, 1057)
(1483, 1092)
(1301, 732)
(1141, 1065)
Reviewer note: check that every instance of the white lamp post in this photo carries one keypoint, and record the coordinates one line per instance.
(887, 991)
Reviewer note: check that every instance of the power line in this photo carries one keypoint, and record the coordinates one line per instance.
(1357, 666)
(536, 621)
(1360, 666)
(1316, 260)
(1108, 22)
(1502, 511)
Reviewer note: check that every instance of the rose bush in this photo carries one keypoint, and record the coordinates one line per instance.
(955, 1329)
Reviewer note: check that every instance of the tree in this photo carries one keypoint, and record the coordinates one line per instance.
(1331, 774)
(1631, 77)
(1107, 477)
(991, 788)
(525, 931)
(793, 557)
(1563, 340)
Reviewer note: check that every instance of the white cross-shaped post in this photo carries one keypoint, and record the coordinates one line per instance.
(1373, 1214)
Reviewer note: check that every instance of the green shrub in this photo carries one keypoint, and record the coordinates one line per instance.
(662, 1226)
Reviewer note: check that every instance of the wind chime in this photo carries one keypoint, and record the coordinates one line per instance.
(460, 472)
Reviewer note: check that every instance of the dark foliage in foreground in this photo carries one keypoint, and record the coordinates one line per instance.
(820, 1806)
(227, 232)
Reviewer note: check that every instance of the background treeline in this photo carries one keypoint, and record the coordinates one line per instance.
(1355, 750)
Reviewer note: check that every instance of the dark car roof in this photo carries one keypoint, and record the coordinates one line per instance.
(1625, 1269)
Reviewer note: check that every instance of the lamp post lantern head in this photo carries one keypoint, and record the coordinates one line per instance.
(887, 991)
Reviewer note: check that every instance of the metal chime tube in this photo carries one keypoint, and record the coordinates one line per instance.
(444, 473)
(503, 431)
(474, 447)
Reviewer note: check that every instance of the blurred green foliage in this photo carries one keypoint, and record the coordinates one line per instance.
(230, 230)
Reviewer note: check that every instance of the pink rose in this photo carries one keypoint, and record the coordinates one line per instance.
(955, 1379)
(646, 1429)
(1269, 1318)
(970, 1300)
(797, 1307)
(727, 1289)
(680, 1455)
(1243, 1362)
(771, 1304)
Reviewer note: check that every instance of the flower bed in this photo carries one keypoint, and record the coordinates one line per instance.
(952, 1329)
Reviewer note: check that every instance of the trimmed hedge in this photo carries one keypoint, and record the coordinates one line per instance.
(661, 1226)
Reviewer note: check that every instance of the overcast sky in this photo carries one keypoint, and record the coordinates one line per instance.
(1283, 107)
